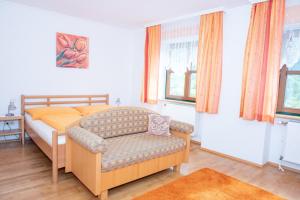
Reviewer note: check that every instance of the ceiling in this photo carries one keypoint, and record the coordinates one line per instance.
(130, 13)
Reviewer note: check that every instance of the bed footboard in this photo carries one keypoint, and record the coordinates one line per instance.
(56, 152)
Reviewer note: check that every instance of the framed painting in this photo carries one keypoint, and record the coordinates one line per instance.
(72, 51)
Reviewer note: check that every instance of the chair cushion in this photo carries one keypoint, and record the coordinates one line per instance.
(126, 150)
(117, 121)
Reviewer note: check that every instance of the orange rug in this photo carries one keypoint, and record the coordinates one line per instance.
(207, 184)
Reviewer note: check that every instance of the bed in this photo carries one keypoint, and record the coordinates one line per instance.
(50, 140)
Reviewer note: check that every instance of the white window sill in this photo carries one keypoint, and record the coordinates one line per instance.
(186, 103)
(288, 117)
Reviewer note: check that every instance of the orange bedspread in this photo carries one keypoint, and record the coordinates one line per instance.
(60, 121)
(88, 110)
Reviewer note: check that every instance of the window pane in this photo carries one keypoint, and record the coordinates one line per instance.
(177, 84)
(193, 85)
(292, 92)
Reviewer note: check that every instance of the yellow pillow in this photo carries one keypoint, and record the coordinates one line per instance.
(88, 110)
(60, 121)
(37, 113)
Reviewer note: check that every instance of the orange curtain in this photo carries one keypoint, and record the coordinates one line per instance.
(209, 66)
(262, 61)
(151, 68)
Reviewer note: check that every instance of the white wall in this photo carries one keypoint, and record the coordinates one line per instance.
(27, 54)
(138, 65)
(225, 132)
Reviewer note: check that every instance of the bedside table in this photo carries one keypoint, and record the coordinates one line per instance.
(20, 129)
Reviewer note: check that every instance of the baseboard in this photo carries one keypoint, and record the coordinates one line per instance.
(231, 157)
(273, 164)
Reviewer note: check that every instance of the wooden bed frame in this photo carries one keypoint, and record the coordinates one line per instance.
(56, 152)
(86, 166)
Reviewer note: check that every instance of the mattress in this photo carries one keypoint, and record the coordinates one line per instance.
(43, 130)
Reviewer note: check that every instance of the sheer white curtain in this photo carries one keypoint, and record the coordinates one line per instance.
(291, 38)
(179, 47)
(291, 48)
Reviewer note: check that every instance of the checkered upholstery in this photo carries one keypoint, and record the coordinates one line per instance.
(134, 148)
(117, 121)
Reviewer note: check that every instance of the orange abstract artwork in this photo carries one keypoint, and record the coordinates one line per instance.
(72, 51)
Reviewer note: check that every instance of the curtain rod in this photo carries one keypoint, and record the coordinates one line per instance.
(186, 16)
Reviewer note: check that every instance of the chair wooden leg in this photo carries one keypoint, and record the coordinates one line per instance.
(103, 195)
(54, 157)
(176, 168)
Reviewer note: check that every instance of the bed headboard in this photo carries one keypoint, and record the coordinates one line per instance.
(48, 100)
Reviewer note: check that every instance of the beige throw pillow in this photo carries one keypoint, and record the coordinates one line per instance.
(159, 125)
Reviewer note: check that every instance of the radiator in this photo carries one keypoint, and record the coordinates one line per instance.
(182, 113)
(179, 112)
(291, 152)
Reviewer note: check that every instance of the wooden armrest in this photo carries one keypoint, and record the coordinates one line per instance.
(84, 164)
(88, 140)
(187, 138)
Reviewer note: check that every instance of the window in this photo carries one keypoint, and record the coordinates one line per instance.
(289, 82)
(289, 91)
(179, 59)
(181, 84)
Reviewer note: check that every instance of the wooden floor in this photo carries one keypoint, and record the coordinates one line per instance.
(25, 173)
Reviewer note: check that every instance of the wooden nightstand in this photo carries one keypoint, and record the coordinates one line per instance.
(19, 130)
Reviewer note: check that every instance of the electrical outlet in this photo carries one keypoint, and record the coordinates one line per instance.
(281, 158)
(10, 123)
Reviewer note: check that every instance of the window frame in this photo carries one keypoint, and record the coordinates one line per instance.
(187, 87)
(281, 109)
